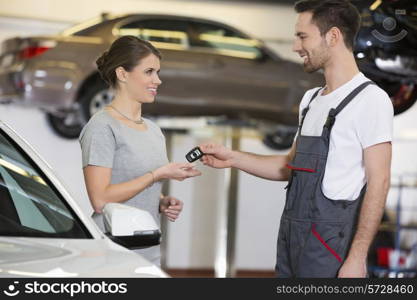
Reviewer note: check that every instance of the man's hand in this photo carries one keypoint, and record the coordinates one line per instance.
(353, 268)
(216, 156)
(271, 167)
(171, 207)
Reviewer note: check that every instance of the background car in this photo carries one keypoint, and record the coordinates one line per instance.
(208, 69)
(43, 232)
(386, 48)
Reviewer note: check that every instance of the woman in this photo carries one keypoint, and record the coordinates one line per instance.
(124, 155)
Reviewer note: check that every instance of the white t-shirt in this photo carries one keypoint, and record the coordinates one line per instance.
(367, 120)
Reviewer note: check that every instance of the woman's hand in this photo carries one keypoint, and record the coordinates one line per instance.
(171, 207)
(176, 171)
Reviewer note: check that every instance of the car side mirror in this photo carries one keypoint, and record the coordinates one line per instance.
(130, 227)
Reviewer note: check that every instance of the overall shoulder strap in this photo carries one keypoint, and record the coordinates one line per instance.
(331, 118)
(305, 110)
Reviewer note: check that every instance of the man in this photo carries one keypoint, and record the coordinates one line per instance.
(339, 166)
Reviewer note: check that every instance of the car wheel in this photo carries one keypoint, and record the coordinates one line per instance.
(95, 98)
(66, 125)
(403, 97)
(280, 139)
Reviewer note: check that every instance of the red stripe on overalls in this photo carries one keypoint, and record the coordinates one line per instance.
(317, 235)
(300, 169)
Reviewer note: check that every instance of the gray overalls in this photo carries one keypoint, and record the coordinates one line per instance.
(315, 232)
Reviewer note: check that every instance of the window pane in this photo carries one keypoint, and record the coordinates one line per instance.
(164, 34)
(29, 206)
(223, 40)
(183, 34)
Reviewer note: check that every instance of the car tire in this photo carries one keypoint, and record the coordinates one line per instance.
(61, 126)
(95, 98)
(403, 97)
(280, 139)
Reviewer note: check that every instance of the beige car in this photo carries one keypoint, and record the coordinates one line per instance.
(208, 69)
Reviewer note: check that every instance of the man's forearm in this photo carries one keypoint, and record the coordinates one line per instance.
(272, 167)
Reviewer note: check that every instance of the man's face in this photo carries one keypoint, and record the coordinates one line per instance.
(309, 43)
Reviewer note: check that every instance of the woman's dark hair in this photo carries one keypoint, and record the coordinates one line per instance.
(333, 13)
(127, 52)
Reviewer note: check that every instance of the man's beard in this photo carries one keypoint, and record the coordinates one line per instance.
(310, 68)
(313, 65)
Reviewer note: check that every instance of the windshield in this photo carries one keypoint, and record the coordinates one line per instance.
(30, 205)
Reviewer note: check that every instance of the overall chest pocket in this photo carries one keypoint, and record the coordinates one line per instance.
(303, 178)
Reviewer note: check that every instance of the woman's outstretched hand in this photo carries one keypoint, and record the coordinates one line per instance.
(176, 171)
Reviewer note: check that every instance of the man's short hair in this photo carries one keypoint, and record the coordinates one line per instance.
(333, 13)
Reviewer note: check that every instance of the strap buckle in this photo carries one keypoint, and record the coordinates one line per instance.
(331, 118)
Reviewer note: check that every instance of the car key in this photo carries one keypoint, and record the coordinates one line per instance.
(194, 154)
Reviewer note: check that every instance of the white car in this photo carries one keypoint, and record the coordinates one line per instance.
(44, 233)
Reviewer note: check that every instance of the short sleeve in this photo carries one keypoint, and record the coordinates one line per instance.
(98, 145)
(374, 122)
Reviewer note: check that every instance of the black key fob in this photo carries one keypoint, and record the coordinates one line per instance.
(194, 154)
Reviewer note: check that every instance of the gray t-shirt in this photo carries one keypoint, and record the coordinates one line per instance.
(130, 153)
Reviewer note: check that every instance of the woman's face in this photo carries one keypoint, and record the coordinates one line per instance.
(143, 81)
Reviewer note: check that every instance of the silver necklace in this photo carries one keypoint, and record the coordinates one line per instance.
(140, 121)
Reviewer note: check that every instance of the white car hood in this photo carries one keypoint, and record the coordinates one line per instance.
(41, 257)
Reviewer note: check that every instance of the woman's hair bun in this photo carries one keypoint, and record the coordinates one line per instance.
(101, 61)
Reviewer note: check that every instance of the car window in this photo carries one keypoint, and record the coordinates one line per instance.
(222, 40)
(164, 34)
(193, 35)
(29, 204)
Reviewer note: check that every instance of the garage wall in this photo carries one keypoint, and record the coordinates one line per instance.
(191, 240)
